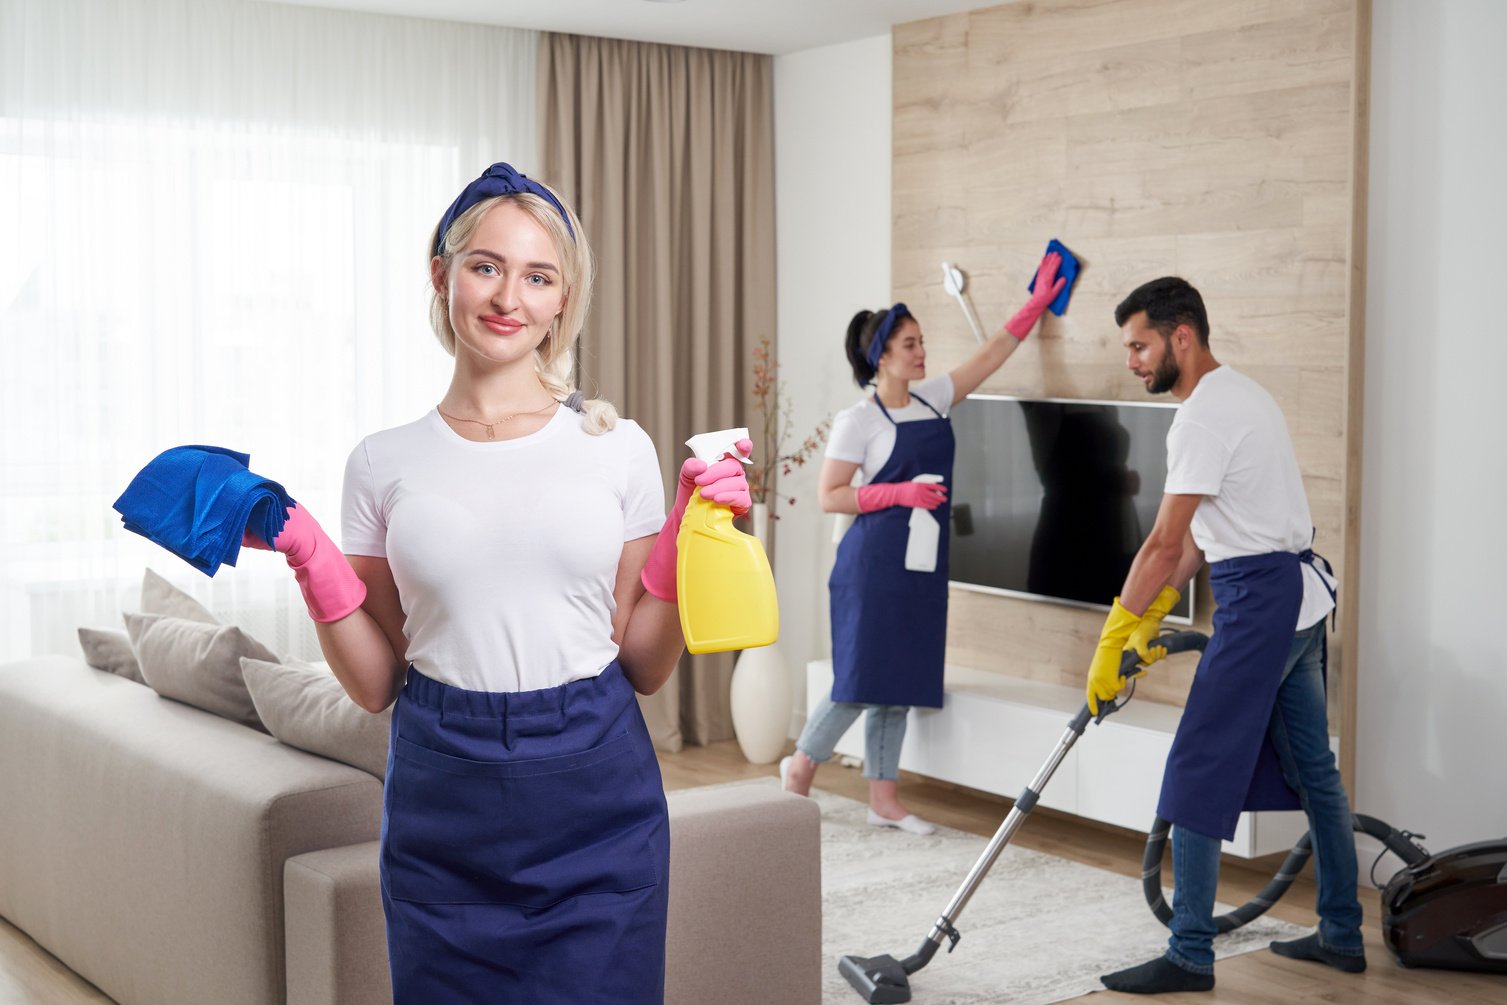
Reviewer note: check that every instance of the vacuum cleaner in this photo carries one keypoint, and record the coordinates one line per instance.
(1445, 911)
(884, 979)
(1449, 911)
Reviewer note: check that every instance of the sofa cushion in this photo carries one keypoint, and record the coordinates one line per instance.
(158, 596)
(745, 889)
(334, 929)
(110, 650)
(198, 664)
(304, 706)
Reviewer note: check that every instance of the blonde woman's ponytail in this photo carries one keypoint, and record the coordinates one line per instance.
(555, 374)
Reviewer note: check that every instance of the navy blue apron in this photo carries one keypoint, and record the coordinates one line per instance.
(1222, 760)
(525, 846)
(889, 624)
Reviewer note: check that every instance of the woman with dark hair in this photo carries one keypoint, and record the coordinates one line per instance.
(889, 593)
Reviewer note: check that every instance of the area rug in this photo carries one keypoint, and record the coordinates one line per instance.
(1039, 929)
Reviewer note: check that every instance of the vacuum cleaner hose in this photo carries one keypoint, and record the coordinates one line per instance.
(1397, 842)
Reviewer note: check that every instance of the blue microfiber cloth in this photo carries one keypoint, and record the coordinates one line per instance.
(1067, 270)
(197, 501)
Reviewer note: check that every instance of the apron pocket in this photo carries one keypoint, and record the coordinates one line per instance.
(529, 833)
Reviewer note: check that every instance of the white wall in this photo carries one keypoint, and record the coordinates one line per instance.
(832, 190)
(1431, 739)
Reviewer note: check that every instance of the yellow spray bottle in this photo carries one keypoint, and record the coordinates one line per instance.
(722, 576)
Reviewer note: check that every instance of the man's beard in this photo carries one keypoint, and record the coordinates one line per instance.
(1165, 376)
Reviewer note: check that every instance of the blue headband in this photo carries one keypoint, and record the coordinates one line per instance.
(499, 179)
(885, 330)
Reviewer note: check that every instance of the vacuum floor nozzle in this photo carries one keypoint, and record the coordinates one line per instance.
(881, 980)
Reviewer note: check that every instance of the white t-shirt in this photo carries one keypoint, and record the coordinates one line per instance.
(1229, 443)
(505, 554)
(862, 435)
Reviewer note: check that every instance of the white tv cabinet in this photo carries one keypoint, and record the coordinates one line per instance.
(994, 732)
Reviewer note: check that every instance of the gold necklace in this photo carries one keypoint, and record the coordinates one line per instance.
(495, 422)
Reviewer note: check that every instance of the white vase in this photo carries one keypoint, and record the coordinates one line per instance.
(761, 704)
(758, 518)
(761, 694)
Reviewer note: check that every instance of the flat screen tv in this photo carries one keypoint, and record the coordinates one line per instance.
(1051, 498)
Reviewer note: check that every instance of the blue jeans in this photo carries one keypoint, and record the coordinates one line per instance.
(1299, 731)
(883, 733)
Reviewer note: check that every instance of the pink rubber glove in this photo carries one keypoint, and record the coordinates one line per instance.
(916, 495)
(724, 482)
(331, 588)
(1043, 294)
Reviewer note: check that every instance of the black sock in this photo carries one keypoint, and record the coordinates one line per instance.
(1160, 976)
(1309, 948)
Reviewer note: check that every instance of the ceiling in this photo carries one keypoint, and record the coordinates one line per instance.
(770, 26)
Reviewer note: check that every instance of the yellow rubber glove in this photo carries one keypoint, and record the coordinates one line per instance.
(1104, 680)
(1143, 638)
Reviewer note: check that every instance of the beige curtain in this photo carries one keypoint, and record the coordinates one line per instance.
(668, 154)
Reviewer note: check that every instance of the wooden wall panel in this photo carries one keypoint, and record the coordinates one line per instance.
(1218, 140)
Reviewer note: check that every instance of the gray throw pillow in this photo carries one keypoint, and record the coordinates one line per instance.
(304, 706)
(198, 664)
(158, 596)
(106, 649)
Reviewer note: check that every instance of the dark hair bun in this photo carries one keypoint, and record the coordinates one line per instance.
(856, 345)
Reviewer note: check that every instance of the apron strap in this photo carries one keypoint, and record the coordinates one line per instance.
(927, 404)
(913, 395)
(1313, 558)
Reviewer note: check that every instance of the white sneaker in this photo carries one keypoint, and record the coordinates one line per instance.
(910, 823)
(785, 773)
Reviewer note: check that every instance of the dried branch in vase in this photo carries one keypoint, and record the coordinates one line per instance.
(771, 459)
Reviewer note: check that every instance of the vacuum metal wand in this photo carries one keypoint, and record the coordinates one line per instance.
(884, 980)
(1024, 804)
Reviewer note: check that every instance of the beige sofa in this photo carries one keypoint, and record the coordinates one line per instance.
(173, 857)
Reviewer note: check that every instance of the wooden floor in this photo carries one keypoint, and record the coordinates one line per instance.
(29, 976)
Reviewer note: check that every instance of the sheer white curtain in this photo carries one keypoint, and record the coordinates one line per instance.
(213, 219)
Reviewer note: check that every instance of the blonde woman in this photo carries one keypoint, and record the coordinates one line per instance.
(507, 588)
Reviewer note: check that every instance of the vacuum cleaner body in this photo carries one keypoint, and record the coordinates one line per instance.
(1450, 910)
